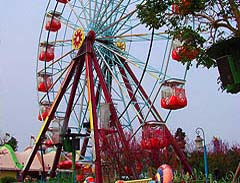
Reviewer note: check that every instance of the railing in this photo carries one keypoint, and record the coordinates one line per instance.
(137, 181)
(199, 177)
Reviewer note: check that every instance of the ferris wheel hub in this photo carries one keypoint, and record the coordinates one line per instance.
(91, 36)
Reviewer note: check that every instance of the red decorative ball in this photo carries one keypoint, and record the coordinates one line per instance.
(80, 178)
(89, 180)
(48, 143)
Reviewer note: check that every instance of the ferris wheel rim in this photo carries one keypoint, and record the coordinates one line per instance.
(123, 37)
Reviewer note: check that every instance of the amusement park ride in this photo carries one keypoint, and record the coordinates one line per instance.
(91, 87)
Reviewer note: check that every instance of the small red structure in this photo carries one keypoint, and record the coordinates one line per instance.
(184, 53)
(173, 95)
(67, 164)
(89, 180)
(44, 110)
(48, 143)
(44, 81)
(63, 1)
(154, 136)
(53, 23)
(46, 52)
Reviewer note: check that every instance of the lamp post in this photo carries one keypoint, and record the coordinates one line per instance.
(201, 144)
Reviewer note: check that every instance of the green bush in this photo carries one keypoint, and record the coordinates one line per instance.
(7, 180)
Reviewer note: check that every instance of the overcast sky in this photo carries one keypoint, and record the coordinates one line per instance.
(216, 112)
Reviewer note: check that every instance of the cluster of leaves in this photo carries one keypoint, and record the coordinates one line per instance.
(209, 21)
(152, 13)
(156, 14)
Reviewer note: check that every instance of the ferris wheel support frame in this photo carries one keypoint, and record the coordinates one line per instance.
(157, 116)
(87, 56)
(76, 67)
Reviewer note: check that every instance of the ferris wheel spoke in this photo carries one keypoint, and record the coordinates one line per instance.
(116, 22)
(114, 14)
(122, 88)
(134, 61)
(75, 106)
(124, 24)
(125, 27)
(122, 96)
(80, 94)
(91, 11)
(61, 43)
(124, 14)
(100, 21)
(86, 10)
(76, 15)
(141, 37)
(107, 65)
(97, 10)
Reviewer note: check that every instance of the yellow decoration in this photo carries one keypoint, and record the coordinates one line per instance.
(41, 130)
(121, 45)
(77, 38)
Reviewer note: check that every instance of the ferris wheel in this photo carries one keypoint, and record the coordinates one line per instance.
(96, 78)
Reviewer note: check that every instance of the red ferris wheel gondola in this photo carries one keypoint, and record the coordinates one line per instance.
(154, 136)
(173, 94)
(53, 22)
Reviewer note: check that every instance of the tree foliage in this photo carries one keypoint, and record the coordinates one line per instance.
(221, 158)
(10, 140)
(7, 180)
(210, 20)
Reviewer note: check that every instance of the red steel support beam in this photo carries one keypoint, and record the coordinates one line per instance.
(141, 89)
(86, 139)
(79, 69)
(92, 104)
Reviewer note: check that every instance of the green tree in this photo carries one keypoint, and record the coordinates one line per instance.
(215, 20)
(220, 161)
(10, 140)
(13, 143)
(7, 180)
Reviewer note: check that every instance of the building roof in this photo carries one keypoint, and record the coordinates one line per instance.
(14, 161)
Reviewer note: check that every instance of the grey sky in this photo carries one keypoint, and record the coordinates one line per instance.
(216, 112)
